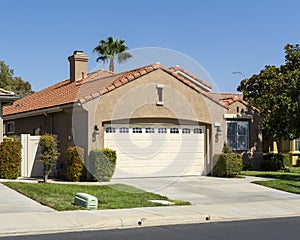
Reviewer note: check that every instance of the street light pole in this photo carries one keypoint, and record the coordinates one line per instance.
(240, 74)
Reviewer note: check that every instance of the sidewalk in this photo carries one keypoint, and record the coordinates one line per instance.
(37, 219)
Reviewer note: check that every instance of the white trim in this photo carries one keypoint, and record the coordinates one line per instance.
(199, 84)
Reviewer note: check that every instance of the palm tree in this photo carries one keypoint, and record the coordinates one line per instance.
(111, 48)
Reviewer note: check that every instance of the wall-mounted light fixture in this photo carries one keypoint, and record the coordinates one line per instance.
(218, 128)
(96, 129)
(218, 131)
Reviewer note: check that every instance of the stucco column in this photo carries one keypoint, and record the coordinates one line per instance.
(292, 146)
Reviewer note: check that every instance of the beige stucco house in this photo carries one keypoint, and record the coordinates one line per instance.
(161, 121)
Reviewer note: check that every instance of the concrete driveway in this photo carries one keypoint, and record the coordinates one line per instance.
(209, 190)
(14, 202)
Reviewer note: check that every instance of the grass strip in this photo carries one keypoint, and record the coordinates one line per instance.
(115, 196)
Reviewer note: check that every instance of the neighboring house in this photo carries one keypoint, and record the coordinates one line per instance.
(6, 98)
(243, 127)
(161, 121)
(291, 147)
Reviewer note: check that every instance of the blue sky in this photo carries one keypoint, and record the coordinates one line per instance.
(37, 36)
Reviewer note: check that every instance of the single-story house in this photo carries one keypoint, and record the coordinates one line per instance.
(6, 98)
(161, 121)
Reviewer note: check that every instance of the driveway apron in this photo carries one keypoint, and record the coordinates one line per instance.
(14, 202)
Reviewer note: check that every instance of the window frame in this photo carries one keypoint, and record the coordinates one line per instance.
(186, 131)
(197, 131)
(8, 130)
(137, 130)
(123, 130)
(162, 130)
(236, 136)
(174, 130)
(111, 130)
(149, 130)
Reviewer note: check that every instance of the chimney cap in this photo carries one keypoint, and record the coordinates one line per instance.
(78, 52)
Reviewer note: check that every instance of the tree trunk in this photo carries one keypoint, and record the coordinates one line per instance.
(111, 65)
(278, 146)
(46, 177)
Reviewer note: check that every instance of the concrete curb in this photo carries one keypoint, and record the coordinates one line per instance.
(34, 223)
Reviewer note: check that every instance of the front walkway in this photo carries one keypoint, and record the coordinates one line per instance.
(14, 202)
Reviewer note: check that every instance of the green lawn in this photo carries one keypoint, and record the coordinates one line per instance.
(285, 181)
(61, 196)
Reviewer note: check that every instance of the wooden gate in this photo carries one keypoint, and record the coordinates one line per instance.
(30, 166)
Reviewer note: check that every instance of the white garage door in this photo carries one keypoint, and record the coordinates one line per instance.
(153, 151)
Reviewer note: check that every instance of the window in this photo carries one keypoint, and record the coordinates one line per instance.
(160, 88)
(174, 130)
(162, 130)
(197, 130)
(137, 130)
(124, 130)
(110, 130)
(10, 127)
(149, 130)
(297, 144)
(186, 131)
(238, 135)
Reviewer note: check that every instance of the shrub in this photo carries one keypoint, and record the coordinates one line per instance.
(286, 160)
(10, 159)
(49, 154)
(75, 163)
(273, 162)
(102, 164)
(226, 149)
(227, 165)
(110, 154)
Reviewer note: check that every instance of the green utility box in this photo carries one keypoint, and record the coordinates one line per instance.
(86, 200)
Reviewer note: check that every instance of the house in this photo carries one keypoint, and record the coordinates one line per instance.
(6, 98)
(161, 121)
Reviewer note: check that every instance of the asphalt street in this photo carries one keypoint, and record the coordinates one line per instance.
(266, 229)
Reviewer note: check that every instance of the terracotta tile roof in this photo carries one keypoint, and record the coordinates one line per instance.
(95, 84)
(226, 99)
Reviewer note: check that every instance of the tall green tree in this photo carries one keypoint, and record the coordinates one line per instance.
(276, 92)
(15, 84)
(111, 48)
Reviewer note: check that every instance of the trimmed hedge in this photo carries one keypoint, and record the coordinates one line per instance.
(275, 162)
(227, 165)
(10, 159)
(102, 164)
(75, 163)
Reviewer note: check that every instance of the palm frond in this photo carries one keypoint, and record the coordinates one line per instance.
(123, 56)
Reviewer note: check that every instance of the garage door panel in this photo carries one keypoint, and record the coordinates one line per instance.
(156, 154)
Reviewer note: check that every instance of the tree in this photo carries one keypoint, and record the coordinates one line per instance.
(49, 154)
(276, 92)
(15, 84)
(110, 49)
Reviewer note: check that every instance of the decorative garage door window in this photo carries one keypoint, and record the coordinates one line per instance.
(197, 130)
(150, 130)
(137, 130)
(186, 131)
(162, 130)
(238, 135)
(110, 130)
(174, 130)
(124, 130)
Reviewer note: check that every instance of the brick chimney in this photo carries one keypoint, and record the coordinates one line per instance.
(78, 66)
